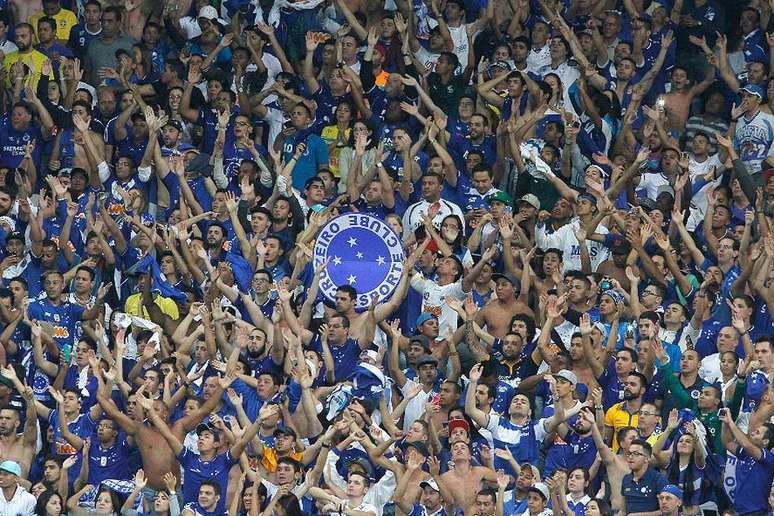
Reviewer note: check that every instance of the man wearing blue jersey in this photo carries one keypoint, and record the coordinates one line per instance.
(208, 464)
(62, 315)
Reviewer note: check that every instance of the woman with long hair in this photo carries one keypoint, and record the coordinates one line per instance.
(50, 503)
(338, 135)
(685, 465)
(165, 503)
(347, 162)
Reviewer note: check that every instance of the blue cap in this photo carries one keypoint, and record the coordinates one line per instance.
(424, 317)
(673, 490)
(754, 89)
(11, 467)
(185, 147)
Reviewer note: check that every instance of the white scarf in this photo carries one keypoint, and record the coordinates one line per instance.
(274, 14)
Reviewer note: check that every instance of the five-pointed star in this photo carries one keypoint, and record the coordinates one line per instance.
(352, 241)
(380, 260)
(352, 278)
(359, 254)
(336, 260)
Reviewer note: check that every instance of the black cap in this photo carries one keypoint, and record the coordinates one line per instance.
(285, 431)
(427, 359)
(175, 123)
(207, 427)
(420, 446)
(510, 278)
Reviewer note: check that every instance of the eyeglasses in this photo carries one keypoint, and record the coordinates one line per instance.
(634, 454)
(648, 413)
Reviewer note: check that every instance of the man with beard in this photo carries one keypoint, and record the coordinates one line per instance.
(26, 54)
(625, 413)
(286, 218)
(19, 448)
(575, 446)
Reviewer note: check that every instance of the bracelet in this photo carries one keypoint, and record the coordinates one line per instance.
(598, 407)
(454, 354)
(379, 164)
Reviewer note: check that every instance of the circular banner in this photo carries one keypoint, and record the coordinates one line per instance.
(362, 252)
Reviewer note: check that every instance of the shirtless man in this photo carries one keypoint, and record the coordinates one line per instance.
(497, 314)
(157, 456)
(678, 101)
(464, 480)
(19, 448)
(346, 301)
(616, 464)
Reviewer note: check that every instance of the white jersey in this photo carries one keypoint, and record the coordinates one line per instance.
(753, 140)
(699, 200)
(434, 300)
(564, 239)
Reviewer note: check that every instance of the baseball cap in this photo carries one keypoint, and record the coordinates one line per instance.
(420, 446)
(754, 89)
(541, 489)
(665, 189)
(174, 123)
(185, 147)
(363, 463)
(566, 374)
(431, 483)
(207, 427)
(500, 197)
(208, 12)
(673, 490)
(427, 359)
(138, 116)
(530, 199)
(458, 423)
(510, 278)
(424, 317)
(11, 467)
(285, 431)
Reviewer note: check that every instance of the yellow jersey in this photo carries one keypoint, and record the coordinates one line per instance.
(33, 59)
(65, 21)
(618, 417)
(167, 306)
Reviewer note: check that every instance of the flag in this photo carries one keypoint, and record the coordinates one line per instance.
(240, 268)
(367, 381)
(159, 282)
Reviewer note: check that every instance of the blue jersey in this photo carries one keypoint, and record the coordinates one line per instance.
(522, 440)
(345, 356)
(83, 427)
(109, 463)
(62, 316)
(197, 470)
(12, 143)
(756, 477)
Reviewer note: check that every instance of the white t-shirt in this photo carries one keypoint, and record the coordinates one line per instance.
(434, 300)
(699, 200)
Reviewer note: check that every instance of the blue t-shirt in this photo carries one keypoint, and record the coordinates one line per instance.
(345, 357)
(641, 495)
(63, 317)
(755, 475)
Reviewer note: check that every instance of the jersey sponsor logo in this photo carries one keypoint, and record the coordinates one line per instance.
(363, 252)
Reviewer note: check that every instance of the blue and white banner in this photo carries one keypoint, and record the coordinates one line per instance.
(362, 252)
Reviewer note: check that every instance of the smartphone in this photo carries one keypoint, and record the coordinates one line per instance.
(67, 351)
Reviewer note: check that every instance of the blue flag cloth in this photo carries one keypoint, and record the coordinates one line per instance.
(159, 282)
(367, 381)
(243, 273)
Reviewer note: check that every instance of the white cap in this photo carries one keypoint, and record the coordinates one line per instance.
(541, 488)
(430, 482)
(208, 12)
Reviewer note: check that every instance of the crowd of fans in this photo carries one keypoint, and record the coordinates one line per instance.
(583, 191)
